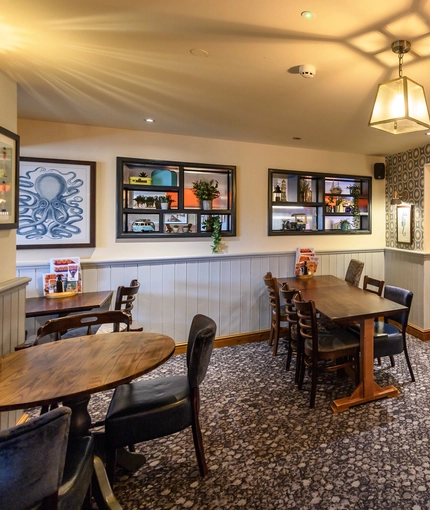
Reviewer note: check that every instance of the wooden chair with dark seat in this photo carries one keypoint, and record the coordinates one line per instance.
(389, 339)
(373, 285)
(152, 408)
(124, 300)
(40, 469)
(295, 343)
(336, 348)
(353, 273)
(278, 314)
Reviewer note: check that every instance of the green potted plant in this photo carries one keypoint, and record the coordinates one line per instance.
(344, 225)
(150, 201)
(164, 201)
(140, 200)
(206, 191)
(213, 224)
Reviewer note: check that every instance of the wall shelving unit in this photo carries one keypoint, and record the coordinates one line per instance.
(303, 203)
(173, 179)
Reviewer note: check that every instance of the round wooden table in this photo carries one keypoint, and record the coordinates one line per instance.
(71, 370)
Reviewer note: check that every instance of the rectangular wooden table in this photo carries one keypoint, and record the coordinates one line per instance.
(340, 300)
(39, 306)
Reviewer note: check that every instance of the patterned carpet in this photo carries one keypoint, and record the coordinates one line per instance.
(266, 449)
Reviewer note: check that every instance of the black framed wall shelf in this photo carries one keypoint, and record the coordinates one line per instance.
(155, 199)
(303, 203)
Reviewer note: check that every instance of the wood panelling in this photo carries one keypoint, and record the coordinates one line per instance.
(228, 289)
(12, 331)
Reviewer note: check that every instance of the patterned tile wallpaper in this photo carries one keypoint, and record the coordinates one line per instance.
(405, 174)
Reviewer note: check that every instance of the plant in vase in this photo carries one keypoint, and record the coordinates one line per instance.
(344, 225)
(355, 191)
(206, 191)
(164, 202)
(330, 204)
(339, 205)
(140, 200)
(150, 201)
(305, 190)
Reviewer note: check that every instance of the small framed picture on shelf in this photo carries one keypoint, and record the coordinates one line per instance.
(404, 224)
(177, 218)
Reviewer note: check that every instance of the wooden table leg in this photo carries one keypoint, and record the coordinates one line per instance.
(368, 389)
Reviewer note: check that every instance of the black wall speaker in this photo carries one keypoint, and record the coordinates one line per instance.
(379, 170)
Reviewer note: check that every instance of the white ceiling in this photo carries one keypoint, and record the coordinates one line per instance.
(116, 62)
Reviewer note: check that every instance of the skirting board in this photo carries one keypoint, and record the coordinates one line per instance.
(228, 341)
(261, 336)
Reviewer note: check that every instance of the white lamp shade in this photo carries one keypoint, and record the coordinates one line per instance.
(400, 107)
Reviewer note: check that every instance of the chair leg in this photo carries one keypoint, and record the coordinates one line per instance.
(392, 361)
(405, 350)
(271, 335)
(379, 362)
(197, 433)
(276, 341)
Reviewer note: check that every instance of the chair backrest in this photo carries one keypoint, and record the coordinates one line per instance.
(84, 321)
(353, 273)
(288, 296)
(32, 457)
(403, 297)
(199, 350)
(273, 290)
(307, 322)
(125, 296)
(373, 285)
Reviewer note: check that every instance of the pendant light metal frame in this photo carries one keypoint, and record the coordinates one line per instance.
(404, 95)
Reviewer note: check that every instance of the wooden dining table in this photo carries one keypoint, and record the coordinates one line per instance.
(70, 371)
(342, 301)
(86, 301)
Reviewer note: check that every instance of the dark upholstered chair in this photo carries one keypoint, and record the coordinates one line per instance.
(124, 300)
(335, 345)
(152, 408)
(390, 339)
(278, 313)
(353, 273)
(38, 467)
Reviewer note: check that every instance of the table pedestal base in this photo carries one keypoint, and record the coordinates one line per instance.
(360, 396)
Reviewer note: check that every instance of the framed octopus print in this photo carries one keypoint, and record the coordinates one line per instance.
(56, 203)
(9, 153)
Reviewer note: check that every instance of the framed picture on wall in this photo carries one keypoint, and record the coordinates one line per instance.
(9, 154)
(56, 203)
(404, 224)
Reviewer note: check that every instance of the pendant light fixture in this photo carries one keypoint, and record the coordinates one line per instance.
(400, 105)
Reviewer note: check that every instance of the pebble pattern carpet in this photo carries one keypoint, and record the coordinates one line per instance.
(266, 449)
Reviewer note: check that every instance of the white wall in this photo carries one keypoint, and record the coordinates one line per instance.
(8, 120)
(65, 141)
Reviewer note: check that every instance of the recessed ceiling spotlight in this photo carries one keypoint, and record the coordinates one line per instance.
(428, 133)
(308, 15)
(198, 52)
(149, 120)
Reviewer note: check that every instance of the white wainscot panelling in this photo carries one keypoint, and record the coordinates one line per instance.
(228, 289)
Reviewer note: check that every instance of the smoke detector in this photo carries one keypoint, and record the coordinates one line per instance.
(307, 70)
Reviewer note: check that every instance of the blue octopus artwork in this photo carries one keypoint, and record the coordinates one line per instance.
(49, 204)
